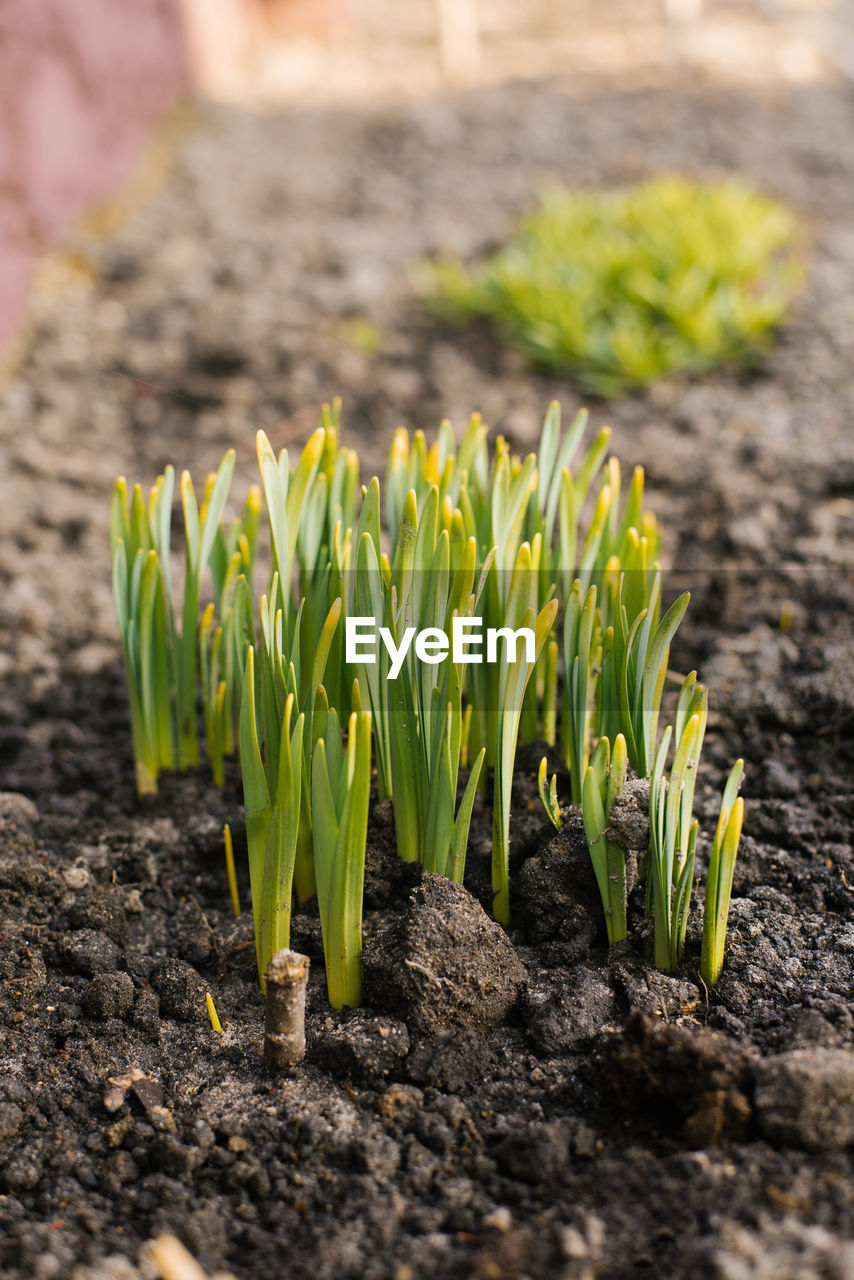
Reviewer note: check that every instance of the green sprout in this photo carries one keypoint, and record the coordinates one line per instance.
(201, 532)
(580, 680)
(669, 864)
(549, 696)
(227, 630)
(161, 662)
(315, 662)
(340, 791)
(417, 708)
(604, 779)
(539, 706)
(495, 517)
(615, 584)
(505, 504)
(323, 538)
(672, 827)
(237, 544)
(548, 794)
(719, 880)
(509, 508)
(280, 694)
(640, 653)
(412, 465)
(620, 289)
(304, 510)
(272, 785)
(555, 453)
(222, 660)
(572, 492)
(230, 869)
(513, 676)
(285, 495)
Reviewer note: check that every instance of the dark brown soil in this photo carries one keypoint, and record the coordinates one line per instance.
(591, 1116)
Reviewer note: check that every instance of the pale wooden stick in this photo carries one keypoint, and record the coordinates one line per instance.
(284, 1024)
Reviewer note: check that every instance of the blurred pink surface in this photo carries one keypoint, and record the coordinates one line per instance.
(81, 84)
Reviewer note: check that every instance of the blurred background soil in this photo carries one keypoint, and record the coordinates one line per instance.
(272, 270)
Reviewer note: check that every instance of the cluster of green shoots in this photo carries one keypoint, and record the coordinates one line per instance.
(473, 537)
(622, 288)
(632, 702)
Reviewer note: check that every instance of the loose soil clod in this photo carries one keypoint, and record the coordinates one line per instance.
(446, 964)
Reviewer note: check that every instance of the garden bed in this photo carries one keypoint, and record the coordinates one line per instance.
(565, 1110)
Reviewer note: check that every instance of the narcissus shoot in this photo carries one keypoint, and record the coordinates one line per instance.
(603, 782)
(719, 880)
(271, 763)
(160, 657)
(340, 792)
(415, 690)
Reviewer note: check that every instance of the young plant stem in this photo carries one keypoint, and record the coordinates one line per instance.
(719, 880)
(641, 651)
(579, 683)
(548, 795)
(340, 792)
(671, 830)
(514, 674)
(272, 804)
(418, 712)
(161, 662)
(603, 781)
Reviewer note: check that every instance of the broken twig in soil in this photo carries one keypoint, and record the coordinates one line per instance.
(286, 977)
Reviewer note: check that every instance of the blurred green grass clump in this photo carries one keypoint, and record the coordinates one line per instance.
(620, 289)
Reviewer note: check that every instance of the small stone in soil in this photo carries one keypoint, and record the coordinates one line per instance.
(76, 877)
(500, 1219)
(534, 1153)
(17, 812)
(805, 1098)
(148, 1091)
